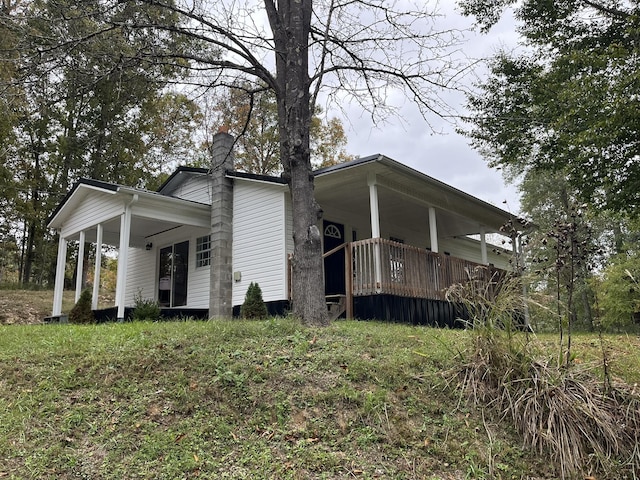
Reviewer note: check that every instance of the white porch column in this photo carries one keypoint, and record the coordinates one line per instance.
(123, 257)
(96, 271)
(61, 263)
(80, 265)
(375, 225)
(483, 246)
(433, 230)
(373, 204)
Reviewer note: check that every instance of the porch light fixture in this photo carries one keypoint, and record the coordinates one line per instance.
(148, 246)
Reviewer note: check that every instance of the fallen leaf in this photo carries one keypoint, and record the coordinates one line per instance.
(195, 457)
(180, 437)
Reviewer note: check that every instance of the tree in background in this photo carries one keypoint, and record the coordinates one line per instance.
(569, 102)
(618, 285)
(252, 118)
(562, 116)
(74, 112)
(561, 250)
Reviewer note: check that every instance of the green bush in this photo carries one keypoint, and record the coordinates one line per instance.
(619, 289)
(145, 309)
(253, 306)
(81, 312)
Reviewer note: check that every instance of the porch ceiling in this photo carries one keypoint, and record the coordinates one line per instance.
(404, 197)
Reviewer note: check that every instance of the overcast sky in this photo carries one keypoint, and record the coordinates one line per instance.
(447, 156)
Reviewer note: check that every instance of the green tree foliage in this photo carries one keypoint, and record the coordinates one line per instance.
(620, 291)
(80, 106)
(570, 102)
(252, 117)
(253, 305)
(81, 311)
(562, 249)
(618, 286)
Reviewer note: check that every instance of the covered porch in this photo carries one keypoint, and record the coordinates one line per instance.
(377, 269)
(97, 215)
(395, 240)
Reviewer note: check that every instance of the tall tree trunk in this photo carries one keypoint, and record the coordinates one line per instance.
(32, 223)
(290, 23)
(29, 253)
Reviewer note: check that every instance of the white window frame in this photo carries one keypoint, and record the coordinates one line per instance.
(203, 251)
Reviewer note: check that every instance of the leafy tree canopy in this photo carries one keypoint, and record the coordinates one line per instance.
(252, 117)
(569, 104)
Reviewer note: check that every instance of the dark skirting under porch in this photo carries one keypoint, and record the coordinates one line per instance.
(276, 308)
(389, 308)
(111, 314)
(414, 311)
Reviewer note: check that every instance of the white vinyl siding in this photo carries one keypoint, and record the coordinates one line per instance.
(195, 188)
(259, 246)
(141, 275)
(469, 249)
(94, 209)
(288, 238)
(143, 268)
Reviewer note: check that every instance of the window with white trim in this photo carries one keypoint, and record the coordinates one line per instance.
(203, 251)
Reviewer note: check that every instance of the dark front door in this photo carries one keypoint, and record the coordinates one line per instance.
(334, 264)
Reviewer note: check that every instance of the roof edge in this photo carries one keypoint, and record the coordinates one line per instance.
(179, 170)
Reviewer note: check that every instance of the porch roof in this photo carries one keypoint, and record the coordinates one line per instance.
(405, 194)
(153, 212)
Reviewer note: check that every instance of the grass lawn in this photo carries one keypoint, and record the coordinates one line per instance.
(239, 399)
(254, 399)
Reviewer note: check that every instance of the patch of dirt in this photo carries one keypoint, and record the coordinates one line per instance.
(30, 307)
(22, 314)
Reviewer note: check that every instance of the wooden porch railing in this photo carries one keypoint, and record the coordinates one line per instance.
(409, 271)
(377, 266)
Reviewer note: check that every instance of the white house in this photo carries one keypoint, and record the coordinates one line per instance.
(394, 237)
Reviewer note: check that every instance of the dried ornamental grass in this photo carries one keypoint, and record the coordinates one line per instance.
(567, 414)
(582, 423)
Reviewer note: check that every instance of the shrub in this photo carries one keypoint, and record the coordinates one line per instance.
(620, 291)
(253, 306)
(145, 309)
(81, 311)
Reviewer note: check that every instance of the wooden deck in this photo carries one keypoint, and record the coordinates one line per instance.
(377, 266)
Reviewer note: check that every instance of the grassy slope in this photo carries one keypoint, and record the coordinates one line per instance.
(242, 400)
(30, 306)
